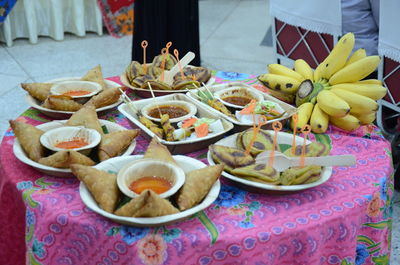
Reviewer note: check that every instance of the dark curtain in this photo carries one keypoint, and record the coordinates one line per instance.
(160, 21)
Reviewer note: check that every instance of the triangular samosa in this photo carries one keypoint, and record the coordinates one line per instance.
(29, 138)
(130, 208)
(158, 151)
(231, 157)
(261, 171)
(86, 117)
(95, 75)
(115, 143)
(60, 102)
(154, 206)
(63, 159)
(39, 91)
(105, 97)
(102, 185)
(197, 185)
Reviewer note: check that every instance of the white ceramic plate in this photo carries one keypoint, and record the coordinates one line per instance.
(283, 138)
(60, 172)
(58, 114)
(115, 164)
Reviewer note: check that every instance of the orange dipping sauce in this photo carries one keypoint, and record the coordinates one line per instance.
(74, 93)
(157, 184)
(75, 142)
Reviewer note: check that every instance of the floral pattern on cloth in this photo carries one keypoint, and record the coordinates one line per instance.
(5, 8)
(347, 220)
(118, 16)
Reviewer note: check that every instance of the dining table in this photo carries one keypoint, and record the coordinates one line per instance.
(346, 220)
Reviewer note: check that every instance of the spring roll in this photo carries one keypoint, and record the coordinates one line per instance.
(63, 103)
(39, 91)
(105, 98)
(64, 159)
(102, 185)
(95, 75)
(115, 143)
(156, 150)
(86, 117)
(29, 138)
(197, 185)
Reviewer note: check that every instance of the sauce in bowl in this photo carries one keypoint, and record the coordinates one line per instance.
(75, 93)
(237, 100)
(157, 184)
(172, 111)
(76, 142)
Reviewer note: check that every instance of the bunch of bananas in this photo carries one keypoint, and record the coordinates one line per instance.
(334, 93)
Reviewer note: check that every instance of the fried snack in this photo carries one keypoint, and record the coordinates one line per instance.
(95, 75)
(152, 126)
(262, 142)
(216, 104)
(170, 61)
(105, 97)
(156, 85)
(300, 175)
(313, 149)
(185, 84)
(86, 117)
(102, 185)
(115, 143)
(197, 185)
(61, 102)
(130, 208)
(230, 157)
(167, 127)
(260, 180)
(29, 138)
(154, 71)
(259, 171)
(156, 150)
(200, 74)
(154, 206)
(63, 159)
(39, 91)
(134, 70)
(140, 80)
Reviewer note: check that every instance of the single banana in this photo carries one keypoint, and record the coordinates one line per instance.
(348, 122)
(303, 115)
(359, 104)
(338, 56)
(331, 104)
(357, 55)
(282, 96)
(355, 71)
(370, 81)
(280, 83)
(366, 118)
(279, 69)
(318, 73)
(302, 67)
(319, 120)
(372, 91)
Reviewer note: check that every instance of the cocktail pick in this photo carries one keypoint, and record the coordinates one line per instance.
(164, 54)
(152, 94)
(176, 53)
(144, 46)
(169, 44)
(295, 119)
(277, 126)
(261, 121)
(305, 130)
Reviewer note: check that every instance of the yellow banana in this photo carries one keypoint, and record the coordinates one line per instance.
(355, 71)
(338, 56)
(331, 104)
(359, 104)
(366, 118)
(282, 96)
(357, 55)
(302, 67)
(280, 83)
(303, 115)
(348, 122)
(318, 73)
(370, 81)
(319, 120)
(372, 91)
(279, 69)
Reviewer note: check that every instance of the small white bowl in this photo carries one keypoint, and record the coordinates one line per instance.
(150, 167)
(50, 138)
(228, 91)
(189, 107)
(66, 86)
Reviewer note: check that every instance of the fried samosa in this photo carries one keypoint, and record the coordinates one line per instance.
(63, 159)
(300, 175)
(197, 185)
(115, 143)
(260, 171)
(262, 142)
(102, 185)
(231, 157)
(158, 151)
(60, 102)
(313, 149)
(105, 97)
(29, 139)
(95, 75)
(39, 91)
(86, 117)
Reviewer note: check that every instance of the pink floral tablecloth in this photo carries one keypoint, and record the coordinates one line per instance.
(347, 220)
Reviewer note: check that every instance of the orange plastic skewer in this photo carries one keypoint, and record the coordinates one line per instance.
(144, 46)
(295, 119)
(261, 121)
(277, 126)
(176, 53)
(305, 130)
(169, 44)
(164, 53)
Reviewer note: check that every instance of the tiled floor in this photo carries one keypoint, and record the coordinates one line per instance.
(230, 40)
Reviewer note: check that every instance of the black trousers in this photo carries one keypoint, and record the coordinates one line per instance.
(161, 21)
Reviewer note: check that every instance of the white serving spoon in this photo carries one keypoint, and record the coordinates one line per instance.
(282, 162)
(169, 75)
